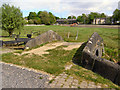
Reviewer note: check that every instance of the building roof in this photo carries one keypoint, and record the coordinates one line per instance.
(66, 19)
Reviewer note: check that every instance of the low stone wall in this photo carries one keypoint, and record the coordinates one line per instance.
(91, 59)
(48, 36)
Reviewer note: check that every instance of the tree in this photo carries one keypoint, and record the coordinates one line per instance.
(57, 18)
(102, 15)
(116, 15)
(37, 20)
(38, 14)
(32, 15)
(108, 20)
(83, 18)
(73, 17)
(11, 18)
(30, 21)
(44, 16)
(69, 17)
(92, 16)
(79, 18)
(52, 18)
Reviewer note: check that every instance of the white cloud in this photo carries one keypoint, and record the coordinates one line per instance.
(66, 7)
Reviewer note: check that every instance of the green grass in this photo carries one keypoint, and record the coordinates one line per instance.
(52, 63)
(41, 77)
(110, 36)
(51, 80)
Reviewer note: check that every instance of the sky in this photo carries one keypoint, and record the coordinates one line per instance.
(65, 8)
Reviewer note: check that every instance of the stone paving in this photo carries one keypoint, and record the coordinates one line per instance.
(65, 81)
(15, 77)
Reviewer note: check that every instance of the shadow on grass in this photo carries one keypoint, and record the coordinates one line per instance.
(4, 36)
(16, 47)
(77, 57)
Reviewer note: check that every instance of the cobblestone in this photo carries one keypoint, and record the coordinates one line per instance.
(83, 84)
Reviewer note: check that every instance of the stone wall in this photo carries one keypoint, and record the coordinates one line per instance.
(91, 59)
(94, 47)
(48, 36)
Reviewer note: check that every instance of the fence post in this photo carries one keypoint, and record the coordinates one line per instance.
(76, 35)
(68, 34)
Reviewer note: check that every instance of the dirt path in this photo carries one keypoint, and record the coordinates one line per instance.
(43, 49)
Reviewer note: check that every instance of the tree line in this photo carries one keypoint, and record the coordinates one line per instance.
(88, 18)
(42, 17)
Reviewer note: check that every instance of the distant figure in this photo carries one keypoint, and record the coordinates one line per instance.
(74, 24)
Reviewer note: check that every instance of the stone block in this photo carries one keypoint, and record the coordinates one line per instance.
(88, 60)
(106, 68)
(48, 36)
(117, 79)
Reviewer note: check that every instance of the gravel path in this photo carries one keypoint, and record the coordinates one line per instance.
(16, 77)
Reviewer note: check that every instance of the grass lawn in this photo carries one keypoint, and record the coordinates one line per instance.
(110, 36)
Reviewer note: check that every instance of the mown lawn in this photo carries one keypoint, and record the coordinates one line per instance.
(110, 36)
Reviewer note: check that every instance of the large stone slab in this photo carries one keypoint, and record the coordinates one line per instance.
(117, 80)
(48, 36)
(106, 68)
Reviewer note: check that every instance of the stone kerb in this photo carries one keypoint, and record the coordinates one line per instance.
(48, 36)
(91, 59)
